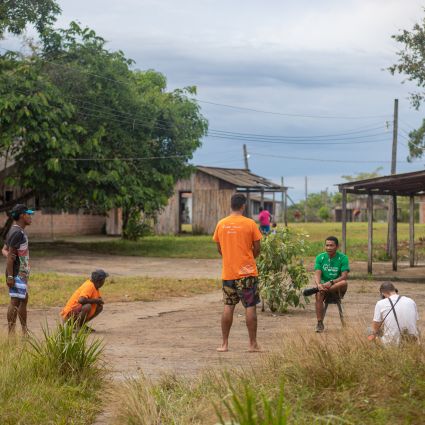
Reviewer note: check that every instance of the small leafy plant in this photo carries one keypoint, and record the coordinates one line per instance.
(281, 270)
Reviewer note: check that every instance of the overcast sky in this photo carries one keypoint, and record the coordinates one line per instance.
(324, 58)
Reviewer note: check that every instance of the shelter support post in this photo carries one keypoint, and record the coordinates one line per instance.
(369, 232)
(344, 221)
(412, 231)
(248, 205)
(394, 233)
(274, 206)
(262, 199)
(285, 205)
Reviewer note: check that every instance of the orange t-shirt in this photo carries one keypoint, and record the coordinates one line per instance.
(236, 235)
(86, 290)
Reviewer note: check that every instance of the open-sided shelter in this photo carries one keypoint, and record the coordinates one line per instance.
(204, 198)
(406, 184)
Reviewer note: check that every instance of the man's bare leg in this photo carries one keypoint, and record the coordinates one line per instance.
(339, 287)
(22, 314)
(82, 316)
(251, 324)
(12, 314)
(226, 324)
(320, 298)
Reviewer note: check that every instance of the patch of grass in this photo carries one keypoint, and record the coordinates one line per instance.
(313, 380)
(32, 394)
(185, 246)
(53, 289)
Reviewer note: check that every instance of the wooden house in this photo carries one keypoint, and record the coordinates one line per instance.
(204, 198)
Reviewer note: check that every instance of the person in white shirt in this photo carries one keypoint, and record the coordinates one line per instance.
(396, 314)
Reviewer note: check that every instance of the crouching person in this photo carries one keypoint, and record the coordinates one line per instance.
(395, 318)
(86, 302)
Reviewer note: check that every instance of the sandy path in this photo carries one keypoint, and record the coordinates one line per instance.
(85, 262)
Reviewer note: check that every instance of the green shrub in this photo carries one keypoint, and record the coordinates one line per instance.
(281, 270)
(67, 350)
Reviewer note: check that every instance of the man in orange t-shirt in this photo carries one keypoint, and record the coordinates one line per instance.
(238, 242)
(86, 303)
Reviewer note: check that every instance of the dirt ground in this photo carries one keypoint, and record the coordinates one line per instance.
(85, 262)
(180, 335)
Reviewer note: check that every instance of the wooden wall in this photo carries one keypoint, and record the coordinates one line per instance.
(210, 203)
(167, 222)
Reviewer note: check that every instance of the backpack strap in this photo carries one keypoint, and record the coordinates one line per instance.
(395, 314)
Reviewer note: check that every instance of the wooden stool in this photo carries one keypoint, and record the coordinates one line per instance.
(338, 301)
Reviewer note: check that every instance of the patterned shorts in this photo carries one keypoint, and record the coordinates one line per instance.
(19, 289)
(244, 290)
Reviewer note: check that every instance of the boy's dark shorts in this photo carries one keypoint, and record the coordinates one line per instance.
(244, 290)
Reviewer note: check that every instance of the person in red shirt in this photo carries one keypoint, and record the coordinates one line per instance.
(264, 218)
(238, 242)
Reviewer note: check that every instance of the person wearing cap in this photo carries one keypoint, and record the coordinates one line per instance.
(86, 302)
(396, 314)
(17, 266)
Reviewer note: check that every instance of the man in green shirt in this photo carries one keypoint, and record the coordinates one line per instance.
(330, 274)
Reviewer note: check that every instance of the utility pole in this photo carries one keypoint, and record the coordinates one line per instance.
(245, 157)
(391, 206)
(283, 211)
(305, 205)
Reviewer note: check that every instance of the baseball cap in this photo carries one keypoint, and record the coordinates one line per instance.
(19, 209)
(98, 274)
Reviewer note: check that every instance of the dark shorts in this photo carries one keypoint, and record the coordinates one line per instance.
(332, 297)
(265, 229)
(244, 290)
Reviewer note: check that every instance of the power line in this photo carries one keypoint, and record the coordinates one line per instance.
(293, 115)
(342, 161)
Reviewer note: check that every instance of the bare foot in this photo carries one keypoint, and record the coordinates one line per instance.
(223, 348)
(255, 349)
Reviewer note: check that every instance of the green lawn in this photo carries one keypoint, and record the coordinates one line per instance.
(53, 289)
(187, 246)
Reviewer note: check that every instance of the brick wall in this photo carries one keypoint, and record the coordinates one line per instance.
(53, 225)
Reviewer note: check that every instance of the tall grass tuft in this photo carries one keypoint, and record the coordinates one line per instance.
(67, 350)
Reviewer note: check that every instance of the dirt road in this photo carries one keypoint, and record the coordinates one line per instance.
(181, 334)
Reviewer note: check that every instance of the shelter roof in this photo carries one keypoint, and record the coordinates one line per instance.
(241, 179)
(405, 184)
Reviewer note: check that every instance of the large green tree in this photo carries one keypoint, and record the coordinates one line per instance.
(135, 138)
(411, 61)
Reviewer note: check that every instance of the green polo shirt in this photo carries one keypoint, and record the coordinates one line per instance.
(331, 267)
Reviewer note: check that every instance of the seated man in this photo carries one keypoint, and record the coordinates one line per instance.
(397, 314)
(331, 274)
(85, 303)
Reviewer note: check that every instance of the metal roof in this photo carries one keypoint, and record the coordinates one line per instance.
(241, 179)
(405, 184)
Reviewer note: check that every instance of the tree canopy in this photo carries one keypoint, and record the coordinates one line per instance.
(15, 15)
(411, 60)
(86, 130)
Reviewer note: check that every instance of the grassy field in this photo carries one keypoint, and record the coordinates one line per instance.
(53, 289)
(187, 246)
(345, 380)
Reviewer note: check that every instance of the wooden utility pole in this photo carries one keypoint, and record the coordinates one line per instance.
(306, 195)
(245, 157)
(391, 205)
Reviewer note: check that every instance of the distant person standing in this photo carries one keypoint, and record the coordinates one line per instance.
(264, 218)
(238, 242)
(17, 267)
(397, 314)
